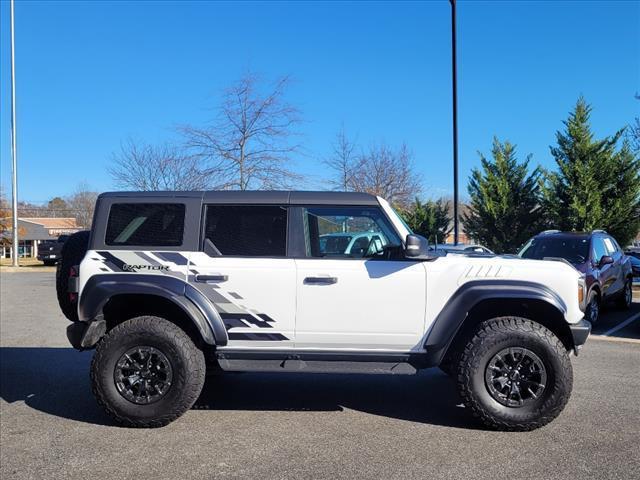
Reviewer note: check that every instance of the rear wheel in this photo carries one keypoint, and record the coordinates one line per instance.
(72, 254)
(147, 372)
(626, 298)
(514, 374)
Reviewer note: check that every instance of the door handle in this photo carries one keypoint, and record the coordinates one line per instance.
(211, 278)
(320, 280)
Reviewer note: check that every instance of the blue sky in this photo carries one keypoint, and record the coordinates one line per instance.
(91, 74)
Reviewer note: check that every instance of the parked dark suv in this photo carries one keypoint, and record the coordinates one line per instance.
(597, 255)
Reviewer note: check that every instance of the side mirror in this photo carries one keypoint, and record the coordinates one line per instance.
(416, 246)
(605, 260)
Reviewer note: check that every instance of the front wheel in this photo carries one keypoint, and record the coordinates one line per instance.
(146, 372)
(514, 374)
(626, 298)
(592, 312)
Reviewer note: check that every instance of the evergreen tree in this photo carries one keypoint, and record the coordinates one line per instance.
(574, 195)
(621, 199)
(596, 185)
(430, 219)
(57, 207)
(505, 200)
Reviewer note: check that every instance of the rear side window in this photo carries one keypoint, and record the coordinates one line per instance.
(146, 224)
(252, 231)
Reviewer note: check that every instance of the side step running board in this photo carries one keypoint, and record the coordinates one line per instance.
(319, 362)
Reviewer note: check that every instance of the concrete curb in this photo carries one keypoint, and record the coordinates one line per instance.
(29, 269)
(602, 338)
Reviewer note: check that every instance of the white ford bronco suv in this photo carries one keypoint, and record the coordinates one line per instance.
(168, 285)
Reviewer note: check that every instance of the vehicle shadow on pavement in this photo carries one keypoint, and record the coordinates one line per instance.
(428, 397)
(56, 381)
(50, 380)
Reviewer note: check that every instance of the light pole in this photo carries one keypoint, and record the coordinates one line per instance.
(454, 74)
(14, 148)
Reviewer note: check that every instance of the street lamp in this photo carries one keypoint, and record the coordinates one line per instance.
(14, 147)
(454, 74)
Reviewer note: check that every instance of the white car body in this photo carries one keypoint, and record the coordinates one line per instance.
(372, 306)
(170, 285)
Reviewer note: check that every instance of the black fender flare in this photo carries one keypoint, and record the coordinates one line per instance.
(101, 287)
(454, 313)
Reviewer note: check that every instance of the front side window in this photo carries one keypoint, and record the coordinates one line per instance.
(247, 230)
(599, 249)
(145, 224)
(347, 232)
(610, 246)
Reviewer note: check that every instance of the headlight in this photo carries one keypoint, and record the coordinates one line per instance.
(582, 294)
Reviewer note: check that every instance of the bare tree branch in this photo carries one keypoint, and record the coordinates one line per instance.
(343, 161)
(140, 166)
(387, 173)
(82, 202)
(249, 146)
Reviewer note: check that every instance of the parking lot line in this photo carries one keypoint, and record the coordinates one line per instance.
(622, 325)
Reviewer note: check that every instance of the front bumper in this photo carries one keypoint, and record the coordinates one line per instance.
(84, 335)
(580, 332)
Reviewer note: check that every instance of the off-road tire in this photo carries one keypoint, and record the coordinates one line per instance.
(491, 337)
(625, 302)
(73, 251)
(187, 364)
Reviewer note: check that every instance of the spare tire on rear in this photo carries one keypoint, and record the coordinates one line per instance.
(72, 254)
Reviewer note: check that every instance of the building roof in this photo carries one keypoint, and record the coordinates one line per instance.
(52, 222)
(42, 228)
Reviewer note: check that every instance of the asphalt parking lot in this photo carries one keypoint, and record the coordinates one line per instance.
(301, 425)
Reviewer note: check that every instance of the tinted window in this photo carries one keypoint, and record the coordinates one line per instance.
(330, 231)
(599, 250)
(146, 224)
(255, 231)
(572, 249)
(610, 246)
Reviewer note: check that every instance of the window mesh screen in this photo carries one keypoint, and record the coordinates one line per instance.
(146, 224)
(256, 231)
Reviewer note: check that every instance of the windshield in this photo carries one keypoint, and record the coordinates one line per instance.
(398, 222)
(574, 250)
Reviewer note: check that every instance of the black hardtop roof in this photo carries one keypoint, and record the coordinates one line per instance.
(257, 196)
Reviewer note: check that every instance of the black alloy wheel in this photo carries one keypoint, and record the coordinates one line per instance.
(143, 375)
(593, 309)
(515, 377)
